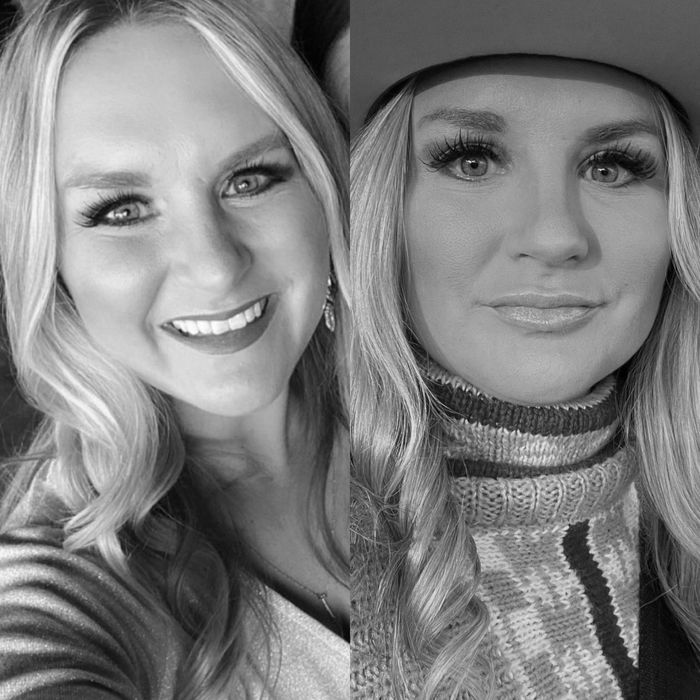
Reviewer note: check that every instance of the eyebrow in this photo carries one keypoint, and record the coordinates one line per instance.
(270, 142)
(117, 179)
(477, 120)
(614, 131)
(483, 120)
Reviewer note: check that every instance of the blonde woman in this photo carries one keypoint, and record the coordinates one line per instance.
(525, 221)
(172, 194)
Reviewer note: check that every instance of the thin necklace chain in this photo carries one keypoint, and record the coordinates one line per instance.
(322, 597)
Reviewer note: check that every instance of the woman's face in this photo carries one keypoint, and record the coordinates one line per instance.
(536, 222)
(192, 245)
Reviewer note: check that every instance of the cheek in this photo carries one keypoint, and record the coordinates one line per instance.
(448, 241)
(309, 245)
(300, 248)
(642, 284)
(635, 256)
(291, 252)
(112, 284)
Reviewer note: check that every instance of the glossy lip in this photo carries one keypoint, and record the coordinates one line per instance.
(231, 341)
(545, 313)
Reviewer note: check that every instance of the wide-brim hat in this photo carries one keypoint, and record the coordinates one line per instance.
(393, 39)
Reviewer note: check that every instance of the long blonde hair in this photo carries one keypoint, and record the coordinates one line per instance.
(399, 472)
(395, 428)
(664, 406)
(118, 464)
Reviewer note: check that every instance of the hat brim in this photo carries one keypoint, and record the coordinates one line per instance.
(392, 39)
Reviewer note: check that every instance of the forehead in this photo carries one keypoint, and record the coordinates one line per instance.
(534, 89)
(152, 87)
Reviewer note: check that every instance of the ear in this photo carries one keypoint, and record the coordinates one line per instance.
(280, 13)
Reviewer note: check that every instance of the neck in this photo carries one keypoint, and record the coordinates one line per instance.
(528, 464)
(511, 436)
(259, 445)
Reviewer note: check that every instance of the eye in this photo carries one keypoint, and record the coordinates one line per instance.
(619, 166)
(248, 184)
(609, 173)
(125, 214)
(474, 166)
(122, 209)
(476, 162)
(466, 157)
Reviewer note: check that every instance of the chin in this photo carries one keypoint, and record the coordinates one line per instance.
(228, 397)
(237, 401)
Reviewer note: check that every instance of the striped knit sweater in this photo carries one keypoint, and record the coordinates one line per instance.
(548, 495)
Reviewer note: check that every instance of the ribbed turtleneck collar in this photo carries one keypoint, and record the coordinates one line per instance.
(524, 465)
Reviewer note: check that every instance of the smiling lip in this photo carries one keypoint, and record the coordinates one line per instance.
(545, 313)
(227, 342)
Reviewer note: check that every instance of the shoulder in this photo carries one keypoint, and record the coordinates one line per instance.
(69, 627)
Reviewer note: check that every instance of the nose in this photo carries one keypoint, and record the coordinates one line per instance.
(209, 247)
(553, 229)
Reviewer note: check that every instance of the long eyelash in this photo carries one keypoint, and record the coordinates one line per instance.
(640, 163)
(444, 152)
(95, 213)
(277, 172)
(274, 169)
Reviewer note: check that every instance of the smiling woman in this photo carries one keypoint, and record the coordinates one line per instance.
(173, 252)
(183, 202)
(524, 246)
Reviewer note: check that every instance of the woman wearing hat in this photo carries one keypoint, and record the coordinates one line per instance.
(526, 237)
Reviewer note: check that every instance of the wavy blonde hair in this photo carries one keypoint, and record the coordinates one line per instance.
(119, 467)
(400, 478)
(399, 472)
(664, 405)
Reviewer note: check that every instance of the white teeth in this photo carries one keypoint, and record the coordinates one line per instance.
(240, 320)
(237, 321)
(219, 327)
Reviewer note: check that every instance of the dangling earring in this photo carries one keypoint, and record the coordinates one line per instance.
(329, 304)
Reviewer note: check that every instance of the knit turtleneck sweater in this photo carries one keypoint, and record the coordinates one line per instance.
(548, 494)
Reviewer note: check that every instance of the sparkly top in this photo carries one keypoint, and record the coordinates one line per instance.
(70, 628)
